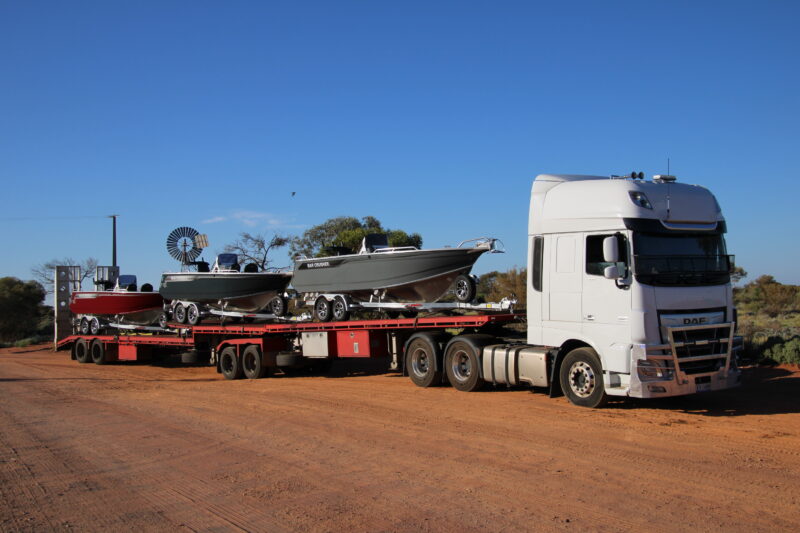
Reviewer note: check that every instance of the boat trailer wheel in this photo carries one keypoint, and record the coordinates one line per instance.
(339, 309)
(464, 288)
(322, 309)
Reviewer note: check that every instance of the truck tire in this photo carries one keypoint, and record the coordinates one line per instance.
(229, 363)
(98, 352)
(179, 313)
(422, 352)
(322, 309)
(462, 364)
(581, 376)
(253, 363)
(193, 315)
(81, 349)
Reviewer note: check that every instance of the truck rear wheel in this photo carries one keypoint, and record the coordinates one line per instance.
(581, 377)
(252, 362)
(421, 355)
(462, 364)
(229, 363)
(81, 349)
(97, 352)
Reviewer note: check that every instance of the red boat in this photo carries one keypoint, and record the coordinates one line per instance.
(124, 304)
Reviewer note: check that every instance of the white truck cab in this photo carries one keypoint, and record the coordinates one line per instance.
(629, 287)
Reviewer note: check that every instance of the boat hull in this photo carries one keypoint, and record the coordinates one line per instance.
(140, 308)
(403, 276)
(247, 292)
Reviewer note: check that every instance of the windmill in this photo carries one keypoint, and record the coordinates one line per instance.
(185, 244)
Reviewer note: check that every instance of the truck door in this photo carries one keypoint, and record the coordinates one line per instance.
(605, 303)
(565, 279)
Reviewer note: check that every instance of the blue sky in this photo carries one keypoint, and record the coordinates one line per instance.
(432, 116)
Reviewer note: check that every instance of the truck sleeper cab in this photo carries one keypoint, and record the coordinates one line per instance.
(632, 278)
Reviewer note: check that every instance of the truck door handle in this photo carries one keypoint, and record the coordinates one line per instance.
(589, 317)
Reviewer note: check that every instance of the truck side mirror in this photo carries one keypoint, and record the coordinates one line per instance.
(610, 250)
(611, 272)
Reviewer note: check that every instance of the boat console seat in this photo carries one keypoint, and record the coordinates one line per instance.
(146, 287)
(373, 242)
(251, 267)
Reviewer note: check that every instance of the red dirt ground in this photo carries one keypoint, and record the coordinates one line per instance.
(141, 447)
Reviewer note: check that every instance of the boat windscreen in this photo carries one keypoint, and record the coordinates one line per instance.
(126, 280)
(228, 261)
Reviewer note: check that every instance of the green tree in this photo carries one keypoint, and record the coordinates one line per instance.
(738, 274)
(494, 286)
(20, 308)
(347, 232)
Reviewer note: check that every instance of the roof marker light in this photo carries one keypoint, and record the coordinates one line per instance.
(639, 198)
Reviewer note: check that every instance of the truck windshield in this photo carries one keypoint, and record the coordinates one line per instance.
(681, 259)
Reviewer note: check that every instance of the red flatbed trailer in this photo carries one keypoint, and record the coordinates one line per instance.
(252, 349)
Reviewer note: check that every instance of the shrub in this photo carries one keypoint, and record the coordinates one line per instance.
(787, 351)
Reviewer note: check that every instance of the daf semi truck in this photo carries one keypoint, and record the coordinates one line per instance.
(628, 295)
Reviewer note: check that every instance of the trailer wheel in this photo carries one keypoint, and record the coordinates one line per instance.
(82, 351)
(98, 352)
(192, 315)
(278, 306)
(339, 309)
(83, 327)
(322, 309)
(252, 362)
(162, 320)
(94, 326)
(582, 378)
(229, 363)
(463, 366)
(464, 288)
(421, 356)
(179, 313)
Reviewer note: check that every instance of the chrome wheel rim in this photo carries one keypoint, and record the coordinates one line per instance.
(582, 379)
(462, 289)
(419, 362)
(461, 365)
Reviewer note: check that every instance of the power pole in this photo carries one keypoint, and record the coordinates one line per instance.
(113, 239)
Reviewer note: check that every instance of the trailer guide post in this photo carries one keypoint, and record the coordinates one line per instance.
(628, 294)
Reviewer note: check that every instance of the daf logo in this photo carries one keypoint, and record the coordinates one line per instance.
(696, 320)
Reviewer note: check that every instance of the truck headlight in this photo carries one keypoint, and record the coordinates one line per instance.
(654, 370)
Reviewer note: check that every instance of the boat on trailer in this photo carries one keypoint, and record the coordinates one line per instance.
(223, 288)
(384, 277)
(125, 303)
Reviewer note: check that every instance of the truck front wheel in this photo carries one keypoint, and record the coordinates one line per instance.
(582, 378)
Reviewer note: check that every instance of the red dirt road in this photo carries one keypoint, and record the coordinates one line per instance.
(139, 447)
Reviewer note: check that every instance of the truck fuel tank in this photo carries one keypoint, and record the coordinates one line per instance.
(513, 364)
